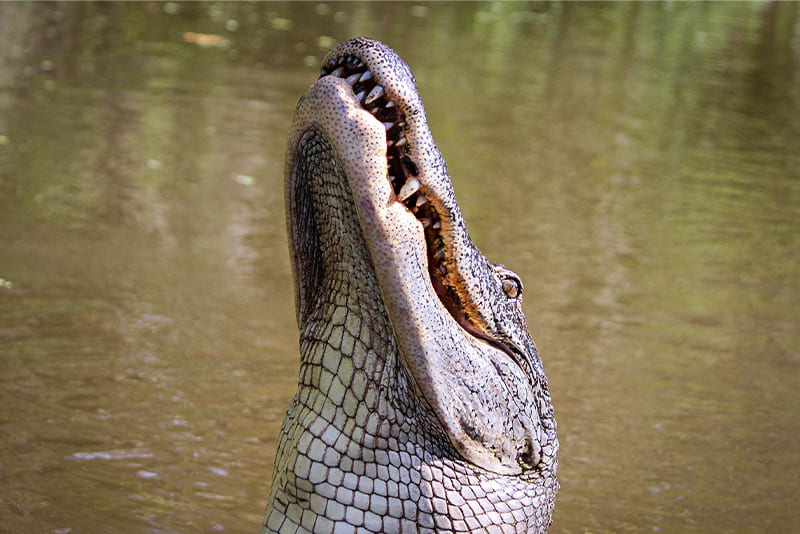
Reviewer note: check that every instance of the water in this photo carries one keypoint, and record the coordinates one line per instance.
(637, 164)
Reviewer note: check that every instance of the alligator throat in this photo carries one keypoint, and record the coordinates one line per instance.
(422, 403)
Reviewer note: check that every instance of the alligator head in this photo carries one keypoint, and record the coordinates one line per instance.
(422, 400)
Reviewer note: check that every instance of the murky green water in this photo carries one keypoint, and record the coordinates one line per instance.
(638, 164)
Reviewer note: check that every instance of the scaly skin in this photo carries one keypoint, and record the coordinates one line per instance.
(422, 403)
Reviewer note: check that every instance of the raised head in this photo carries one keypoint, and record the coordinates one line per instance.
(415, 347)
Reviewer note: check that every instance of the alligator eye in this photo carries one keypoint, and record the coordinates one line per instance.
(512, 287)
(512, 284)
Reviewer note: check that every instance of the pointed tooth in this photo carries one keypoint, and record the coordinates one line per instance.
(388, 125)
(373, 110)
(409, 188)
(374, 94)
(401, 142)
(338, 72)
(360, 96)
(392, 178)
(366, 76)
(437, 225)
(353, 78)
(389, 104)
(425, 222)
(439, 254)
(359, 63)
(422, 200)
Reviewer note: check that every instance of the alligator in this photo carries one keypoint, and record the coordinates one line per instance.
(422, 403)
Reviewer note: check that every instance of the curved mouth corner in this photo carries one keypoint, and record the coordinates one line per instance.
(403, 173)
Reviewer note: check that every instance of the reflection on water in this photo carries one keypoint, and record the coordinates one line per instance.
(636, 163)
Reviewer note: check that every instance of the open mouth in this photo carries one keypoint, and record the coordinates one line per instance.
(476, 294)
(402, 170)
(419, 200)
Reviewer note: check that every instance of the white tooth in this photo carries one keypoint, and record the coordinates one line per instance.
(360, 95)
(359, 63)
(366, 76)
(353, 78)
(338, 72)
(425, 222)
(439, 254)
(389, 104)
(422, 200)
(373, 110)
(409, 188)
(374, 95)
(437, 225)
(388, 125)
(392, 178)
(401, 142)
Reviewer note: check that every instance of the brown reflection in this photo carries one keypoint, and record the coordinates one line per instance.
(636, 163)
